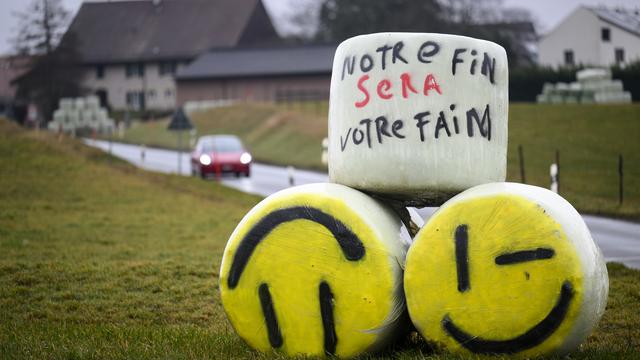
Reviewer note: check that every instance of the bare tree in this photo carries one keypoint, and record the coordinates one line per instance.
(53, 73)
(41, 27)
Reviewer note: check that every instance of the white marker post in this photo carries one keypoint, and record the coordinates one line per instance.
(553, 171)
(325, 153)
(418, 117)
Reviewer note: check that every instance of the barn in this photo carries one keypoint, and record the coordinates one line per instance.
(282, 73)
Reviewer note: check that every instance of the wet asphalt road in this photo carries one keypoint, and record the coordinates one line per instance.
(619, 240)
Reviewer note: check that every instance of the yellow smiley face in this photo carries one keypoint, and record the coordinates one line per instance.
(315, 270)
(497, 274)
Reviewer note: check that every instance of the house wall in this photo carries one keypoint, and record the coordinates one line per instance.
(581, 33)
(159, 90)
(619, 39)
(251, 89)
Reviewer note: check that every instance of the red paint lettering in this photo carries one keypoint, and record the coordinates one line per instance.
(430, 83)
(361, 87)
(406, 85)
(383, 87)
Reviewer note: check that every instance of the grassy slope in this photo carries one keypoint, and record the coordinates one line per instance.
(589, 139)
(100, 260)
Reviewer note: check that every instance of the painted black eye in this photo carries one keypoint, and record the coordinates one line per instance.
(524, 256)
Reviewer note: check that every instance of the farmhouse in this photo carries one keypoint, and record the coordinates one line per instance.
(258, 74)
(593, 36)
(130, 50)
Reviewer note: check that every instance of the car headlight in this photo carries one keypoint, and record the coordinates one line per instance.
(245, 158)
(205, 159)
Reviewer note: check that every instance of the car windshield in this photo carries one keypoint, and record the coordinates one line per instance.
(223, 145)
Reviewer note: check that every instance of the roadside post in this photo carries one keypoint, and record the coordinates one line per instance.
(290, 175)
(143, 151)
(621, 182)
(553, 172)
(180, 122)
(521, 157)
(325, 148)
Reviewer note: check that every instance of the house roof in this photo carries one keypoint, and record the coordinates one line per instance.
(624, 18)
(250, 62)
(141, 30)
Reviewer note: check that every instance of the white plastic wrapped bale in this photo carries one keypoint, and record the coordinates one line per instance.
(66, 104)
(92, 102)
(593, 74)
(506, 268)
(316, 270)
(87, 118)
(58, 120)
(418, 117)
(79, 103)
(72, 119)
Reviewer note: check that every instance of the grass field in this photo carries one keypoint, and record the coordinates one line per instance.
(589, 139)
(99, 260)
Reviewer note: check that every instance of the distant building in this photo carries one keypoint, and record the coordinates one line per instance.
(11, 67)
(258, 74)
(131, 50)
(593, 36)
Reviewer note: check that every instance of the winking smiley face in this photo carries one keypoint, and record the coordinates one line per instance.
(497, 274)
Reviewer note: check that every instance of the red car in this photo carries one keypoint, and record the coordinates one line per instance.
(218, 154)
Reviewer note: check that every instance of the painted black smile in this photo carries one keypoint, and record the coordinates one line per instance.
(533, 337)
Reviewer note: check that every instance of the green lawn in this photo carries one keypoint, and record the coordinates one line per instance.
(99, 260)
(589, 139)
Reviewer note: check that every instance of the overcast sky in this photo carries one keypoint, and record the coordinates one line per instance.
(546, 12)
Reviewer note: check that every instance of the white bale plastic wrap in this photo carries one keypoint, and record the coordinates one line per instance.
(315, 270)
(506, 268)
(418, 116)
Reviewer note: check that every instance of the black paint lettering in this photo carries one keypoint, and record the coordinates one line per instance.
(382, 128)
(421, 122)
(348, 66)
(488, 67)
(484, 125)
(524, 256)
(367, 122)
(396, 52)
(462, 257)
(455, 61)
(326, 313)
(366, 63)
(358, 139)
(352, 247)
(442, 124)
(396, 127)
(383, 54)
(533, 337)
(273, 330)
(474, 62)
(455, 125)
(343, 143)
(427, 50)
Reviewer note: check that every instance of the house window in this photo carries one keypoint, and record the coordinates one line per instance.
(135, 100)
(168, 93)
(135, 70)
(151, 93)
(605, 34)
(167, 68)
(568, 57)
(100, 72)
(619, 53)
